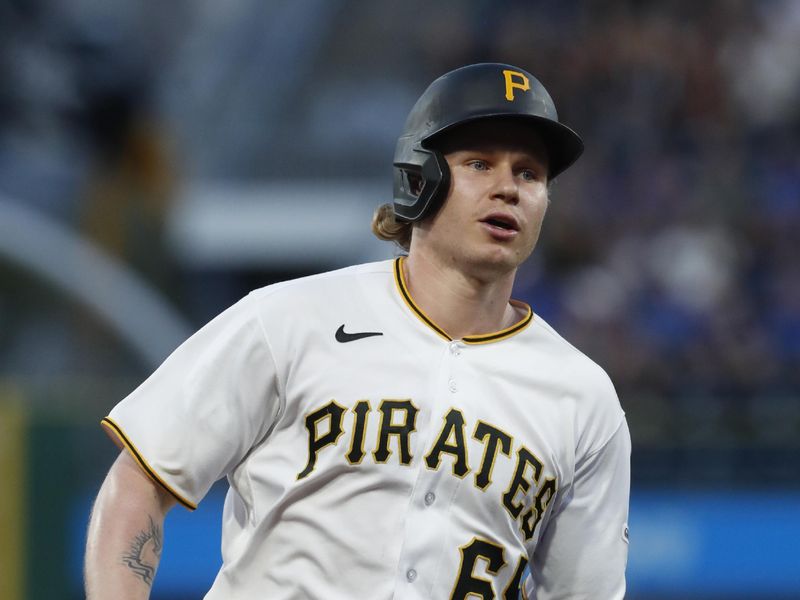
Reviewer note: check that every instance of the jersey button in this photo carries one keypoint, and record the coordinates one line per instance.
(452, 386)
(411, 575)
(430, 498)
(455, 350)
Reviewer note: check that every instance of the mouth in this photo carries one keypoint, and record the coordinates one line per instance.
(501, 221)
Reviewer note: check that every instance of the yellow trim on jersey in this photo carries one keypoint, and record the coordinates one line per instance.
(117, 434)
(503, 333)
(400, 280)
(484, 338)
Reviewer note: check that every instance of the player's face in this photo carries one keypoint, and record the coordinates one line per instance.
(491, 219)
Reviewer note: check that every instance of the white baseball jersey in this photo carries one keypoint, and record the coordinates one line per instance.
(371, 456)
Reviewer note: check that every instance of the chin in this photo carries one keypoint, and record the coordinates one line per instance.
(496, 263)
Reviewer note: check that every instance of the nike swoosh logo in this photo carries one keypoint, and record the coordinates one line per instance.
(343, 337)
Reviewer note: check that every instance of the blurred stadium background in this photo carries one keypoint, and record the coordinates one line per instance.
(160, 159)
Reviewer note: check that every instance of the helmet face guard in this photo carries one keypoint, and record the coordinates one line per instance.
(471, 93)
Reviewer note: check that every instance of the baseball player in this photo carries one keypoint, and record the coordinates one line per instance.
(400, 429)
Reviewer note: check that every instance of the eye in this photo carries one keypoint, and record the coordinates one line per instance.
(529, 175)
(478, 165)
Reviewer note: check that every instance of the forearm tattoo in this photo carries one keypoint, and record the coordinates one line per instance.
(144, 553)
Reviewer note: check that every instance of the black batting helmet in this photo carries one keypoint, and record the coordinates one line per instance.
(481, 91)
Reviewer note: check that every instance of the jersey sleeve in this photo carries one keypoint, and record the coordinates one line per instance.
(199, 414)
(584, 549)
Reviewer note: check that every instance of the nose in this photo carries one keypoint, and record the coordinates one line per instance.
(506, 186)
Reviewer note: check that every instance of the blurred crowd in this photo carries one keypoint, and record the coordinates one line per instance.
(669, 254)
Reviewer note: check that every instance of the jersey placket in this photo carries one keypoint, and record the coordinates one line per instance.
(427, 538)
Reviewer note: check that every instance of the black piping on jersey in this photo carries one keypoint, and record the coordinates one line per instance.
(117, 430)
(469, 339)
(401, 285)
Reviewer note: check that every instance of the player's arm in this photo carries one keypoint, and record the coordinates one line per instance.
(125, 535)
(584, 550)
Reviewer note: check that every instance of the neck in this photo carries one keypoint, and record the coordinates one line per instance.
(458, 302)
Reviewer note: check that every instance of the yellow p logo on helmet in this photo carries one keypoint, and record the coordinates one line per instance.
(521, 83)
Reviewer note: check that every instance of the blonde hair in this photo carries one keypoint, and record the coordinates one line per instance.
(387, 228)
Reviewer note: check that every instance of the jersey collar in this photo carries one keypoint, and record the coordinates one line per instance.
(400, 281)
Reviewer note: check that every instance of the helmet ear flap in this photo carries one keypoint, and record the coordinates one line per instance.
(420, 184)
